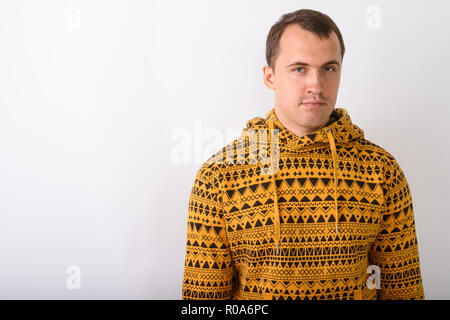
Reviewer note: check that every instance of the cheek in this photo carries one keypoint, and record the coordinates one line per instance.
(333, 82)
(332, 87)
(294, 87)
(292, 92)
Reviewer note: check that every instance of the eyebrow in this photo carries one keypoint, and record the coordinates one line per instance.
(299, 63)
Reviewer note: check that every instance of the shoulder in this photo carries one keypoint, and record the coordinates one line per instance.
(221, 163)
(375, 152)
(372, 152)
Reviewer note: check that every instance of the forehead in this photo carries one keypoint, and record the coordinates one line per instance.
(297, 43)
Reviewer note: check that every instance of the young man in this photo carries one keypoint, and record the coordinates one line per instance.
(302, 206)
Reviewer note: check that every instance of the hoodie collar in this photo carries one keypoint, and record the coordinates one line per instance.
(340, 125)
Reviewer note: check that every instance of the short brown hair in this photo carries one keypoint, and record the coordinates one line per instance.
(310, 20)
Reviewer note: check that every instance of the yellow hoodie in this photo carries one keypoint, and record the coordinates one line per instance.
(276, 216)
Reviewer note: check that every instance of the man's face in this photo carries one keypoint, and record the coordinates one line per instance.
(307, 68)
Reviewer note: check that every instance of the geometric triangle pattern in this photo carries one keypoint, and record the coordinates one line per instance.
(301, 233)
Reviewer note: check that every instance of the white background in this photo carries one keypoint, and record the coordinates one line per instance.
(95, 95)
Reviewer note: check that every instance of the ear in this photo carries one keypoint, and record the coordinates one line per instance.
(269, 77)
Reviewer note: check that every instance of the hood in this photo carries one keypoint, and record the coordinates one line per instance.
(337, 132)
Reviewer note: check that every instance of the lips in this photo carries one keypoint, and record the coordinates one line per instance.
(313, 104)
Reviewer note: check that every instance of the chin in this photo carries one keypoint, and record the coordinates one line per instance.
(314, 120)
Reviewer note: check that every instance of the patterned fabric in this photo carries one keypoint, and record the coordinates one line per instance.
(276, 216)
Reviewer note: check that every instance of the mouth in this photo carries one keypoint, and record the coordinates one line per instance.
(313, 105)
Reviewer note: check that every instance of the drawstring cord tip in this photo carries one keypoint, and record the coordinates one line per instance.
(277, 249)
(336, 228)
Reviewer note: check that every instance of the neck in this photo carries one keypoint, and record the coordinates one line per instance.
(299, 131)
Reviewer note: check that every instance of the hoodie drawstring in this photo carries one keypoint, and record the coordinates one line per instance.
(274, 188)
(333, 153)
(274, 185)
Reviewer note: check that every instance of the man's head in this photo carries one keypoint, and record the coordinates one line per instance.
(304, 52)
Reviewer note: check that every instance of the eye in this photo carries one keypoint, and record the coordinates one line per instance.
(332, 68)
(298, 68)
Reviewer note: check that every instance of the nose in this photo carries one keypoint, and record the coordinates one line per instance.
(314, 82)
